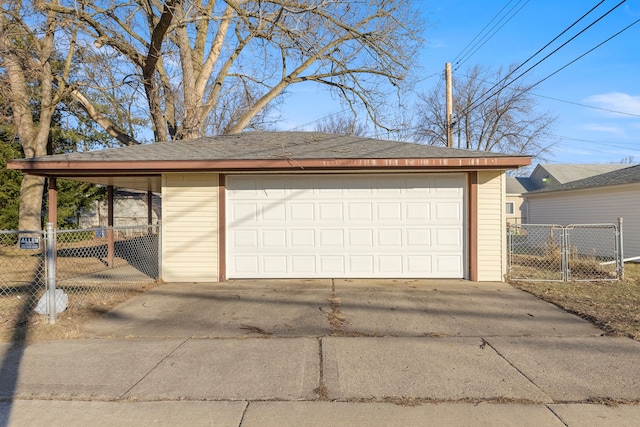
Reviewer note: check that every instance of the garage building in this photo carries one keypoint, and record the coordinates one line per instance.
(311, 205)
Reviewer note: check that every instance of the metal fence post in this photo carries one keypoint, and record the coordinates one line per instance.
(564, 258)
(620, 249)
(51, 272)
(159, 231)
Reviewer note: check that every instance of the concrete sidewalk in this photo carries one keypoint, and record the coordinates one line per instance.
(327, 353)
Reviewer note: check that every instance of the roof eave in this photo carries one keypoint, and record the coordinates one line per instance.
(98, 167)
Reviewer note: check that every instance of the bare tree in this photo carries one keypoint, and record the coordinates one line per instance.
(488, 116)
(341, 124)
(192, 66)
(188, 56)
(29, 71)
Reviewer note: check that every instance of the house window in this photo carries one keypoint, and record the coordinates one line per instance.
(510, 208)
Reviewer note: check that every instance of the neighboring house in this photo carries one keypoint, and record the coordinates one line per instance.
(546, 176)
(311, 205)
(130, 209)
(598, 199)
(515, 208)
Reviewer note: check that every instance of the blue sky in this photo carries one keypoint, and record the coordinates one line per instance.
(607, 78)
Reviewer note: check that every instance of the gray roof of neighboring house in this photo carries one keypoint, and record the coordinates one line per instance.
(273, 145)
(520, 184)
(628, 175)
(565, 173)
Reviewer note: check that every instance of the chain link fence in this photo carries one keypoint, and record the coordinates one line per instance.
(82, 269)
(23, 272)
(547, 252)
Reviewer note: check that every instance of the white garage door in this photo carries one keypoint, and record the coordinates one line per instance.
(332, 226)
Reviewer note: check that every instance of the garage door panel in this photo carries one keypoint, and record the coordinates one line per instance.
(274, 239)
(389, 211)
(361, 265)
(448, 264)
(418, 238)
(303, 238)
(361, 238)
(274, 264)
(388, 238)
(273, 212)
(245, 238)
(303, 265)
(244, 213)
(329, 212)
(332, 264)
(418, 211)
(302, 212)
(451, 238)
(419, 264)
(246, 264)
(359, 212)
(389, 264)
(331, 238)
(345, 226)
(447, 211)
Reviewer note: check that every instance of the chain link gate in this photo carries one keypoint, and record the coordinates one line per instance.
(577, 252)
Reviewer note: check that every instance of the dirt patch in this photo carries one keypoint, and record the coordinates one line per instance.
(613, 306)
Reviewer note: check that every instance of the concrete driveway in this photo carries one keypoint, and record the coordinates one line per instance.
(328, 352)
(317, 308)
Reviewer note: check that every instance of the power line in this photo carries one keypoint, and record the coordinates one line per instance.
(482, 30)
(594, 149)
(459, 63)
(483, 98)
(540, 50)
(586, 53)
(608, 110)
(586, 105)
(462, 55)
(303, 125)
(615, 144)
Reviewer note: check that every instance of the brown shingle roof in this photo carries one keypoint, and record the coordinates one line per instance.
(272, 145)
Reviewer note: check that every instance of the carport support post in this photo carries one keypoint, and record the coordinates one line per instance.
(149, 209)
(110, 239)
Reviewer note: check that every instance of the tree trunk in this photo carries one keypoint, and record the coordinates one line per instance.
(31, 193)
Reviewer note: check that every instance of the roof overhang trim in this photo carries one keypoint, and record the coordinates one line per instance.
(106, 168)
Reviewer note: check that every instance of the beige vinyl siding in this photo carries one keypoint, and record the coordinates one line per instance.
(519, 209)
(190, 227)
(491, 226)
(592, 206)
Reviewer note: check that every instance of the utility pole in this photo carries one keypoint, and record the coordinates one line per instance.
(447, 75)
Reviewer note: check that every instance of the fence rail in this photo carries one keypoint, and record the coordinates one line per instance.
(578, 252)
(85, 267)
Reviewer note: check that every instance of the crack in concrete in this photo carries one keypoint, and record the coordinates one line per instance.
(153, 368)
(322, 391)
(487, 343)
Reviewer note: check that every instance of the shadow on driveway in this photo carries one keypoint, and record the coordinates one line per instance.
(393, 308)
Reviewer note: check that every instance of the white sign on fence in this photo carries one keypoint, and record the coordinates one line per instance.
(29, 243)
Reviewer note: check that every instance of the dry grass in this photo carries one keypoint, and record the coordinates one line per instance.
(82, 274)
(612, 306)
(21, 325)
